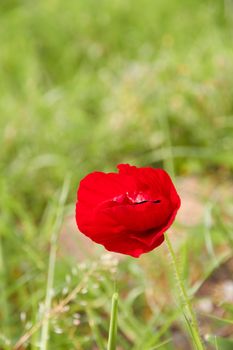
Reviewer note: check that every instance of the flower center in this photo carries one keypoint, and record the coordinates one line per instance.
(156, 201)
(135, 199)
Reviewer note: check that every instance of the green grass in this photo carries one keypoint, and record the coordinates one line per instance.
(86, 85)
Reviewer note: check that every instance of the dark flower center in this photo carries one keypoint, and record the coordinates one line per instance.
(157, 201)
(134, 199)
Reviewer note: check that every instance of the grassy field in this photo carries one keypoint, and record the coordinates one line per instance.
(86, 85)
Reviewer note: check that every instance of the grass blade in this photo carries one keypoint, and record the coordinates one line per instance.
(52, 262)
(113, 323)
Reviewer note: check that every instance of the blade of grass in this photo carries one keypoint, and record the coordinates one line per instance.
(216, 343)
(220, 342)
(113, 323)
(52, 262)
(151, 338)
(221, 260)
(94, 328)
(3, 295)
(161, 345)
(5, 312)
(220, 319)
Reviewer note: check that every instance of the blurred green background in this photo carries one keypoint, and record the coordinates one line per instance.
(86, 85)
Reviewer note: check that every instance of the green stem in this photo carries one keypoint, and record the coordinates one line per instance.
(3, 296)
(188, 307)
(113, 323)
(52, 263)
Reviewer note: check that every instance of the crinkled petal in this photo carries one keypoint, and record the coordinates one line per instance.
(155, 182)
(98, 187)
(140, 217)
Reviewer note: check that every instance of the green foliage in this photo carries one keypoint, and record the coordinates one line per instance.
(85, 85)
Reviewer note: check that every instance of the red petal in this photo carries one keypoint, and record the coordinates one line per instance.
(141, 217)
(98, 187)
(129, 246)
(155, 182)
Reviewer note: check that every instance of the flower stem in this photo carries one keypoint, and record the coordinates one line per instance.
(113, 323)
(191, 318)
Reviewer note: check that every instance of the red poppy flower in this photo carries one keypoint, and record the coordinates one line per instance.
(127, 212)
